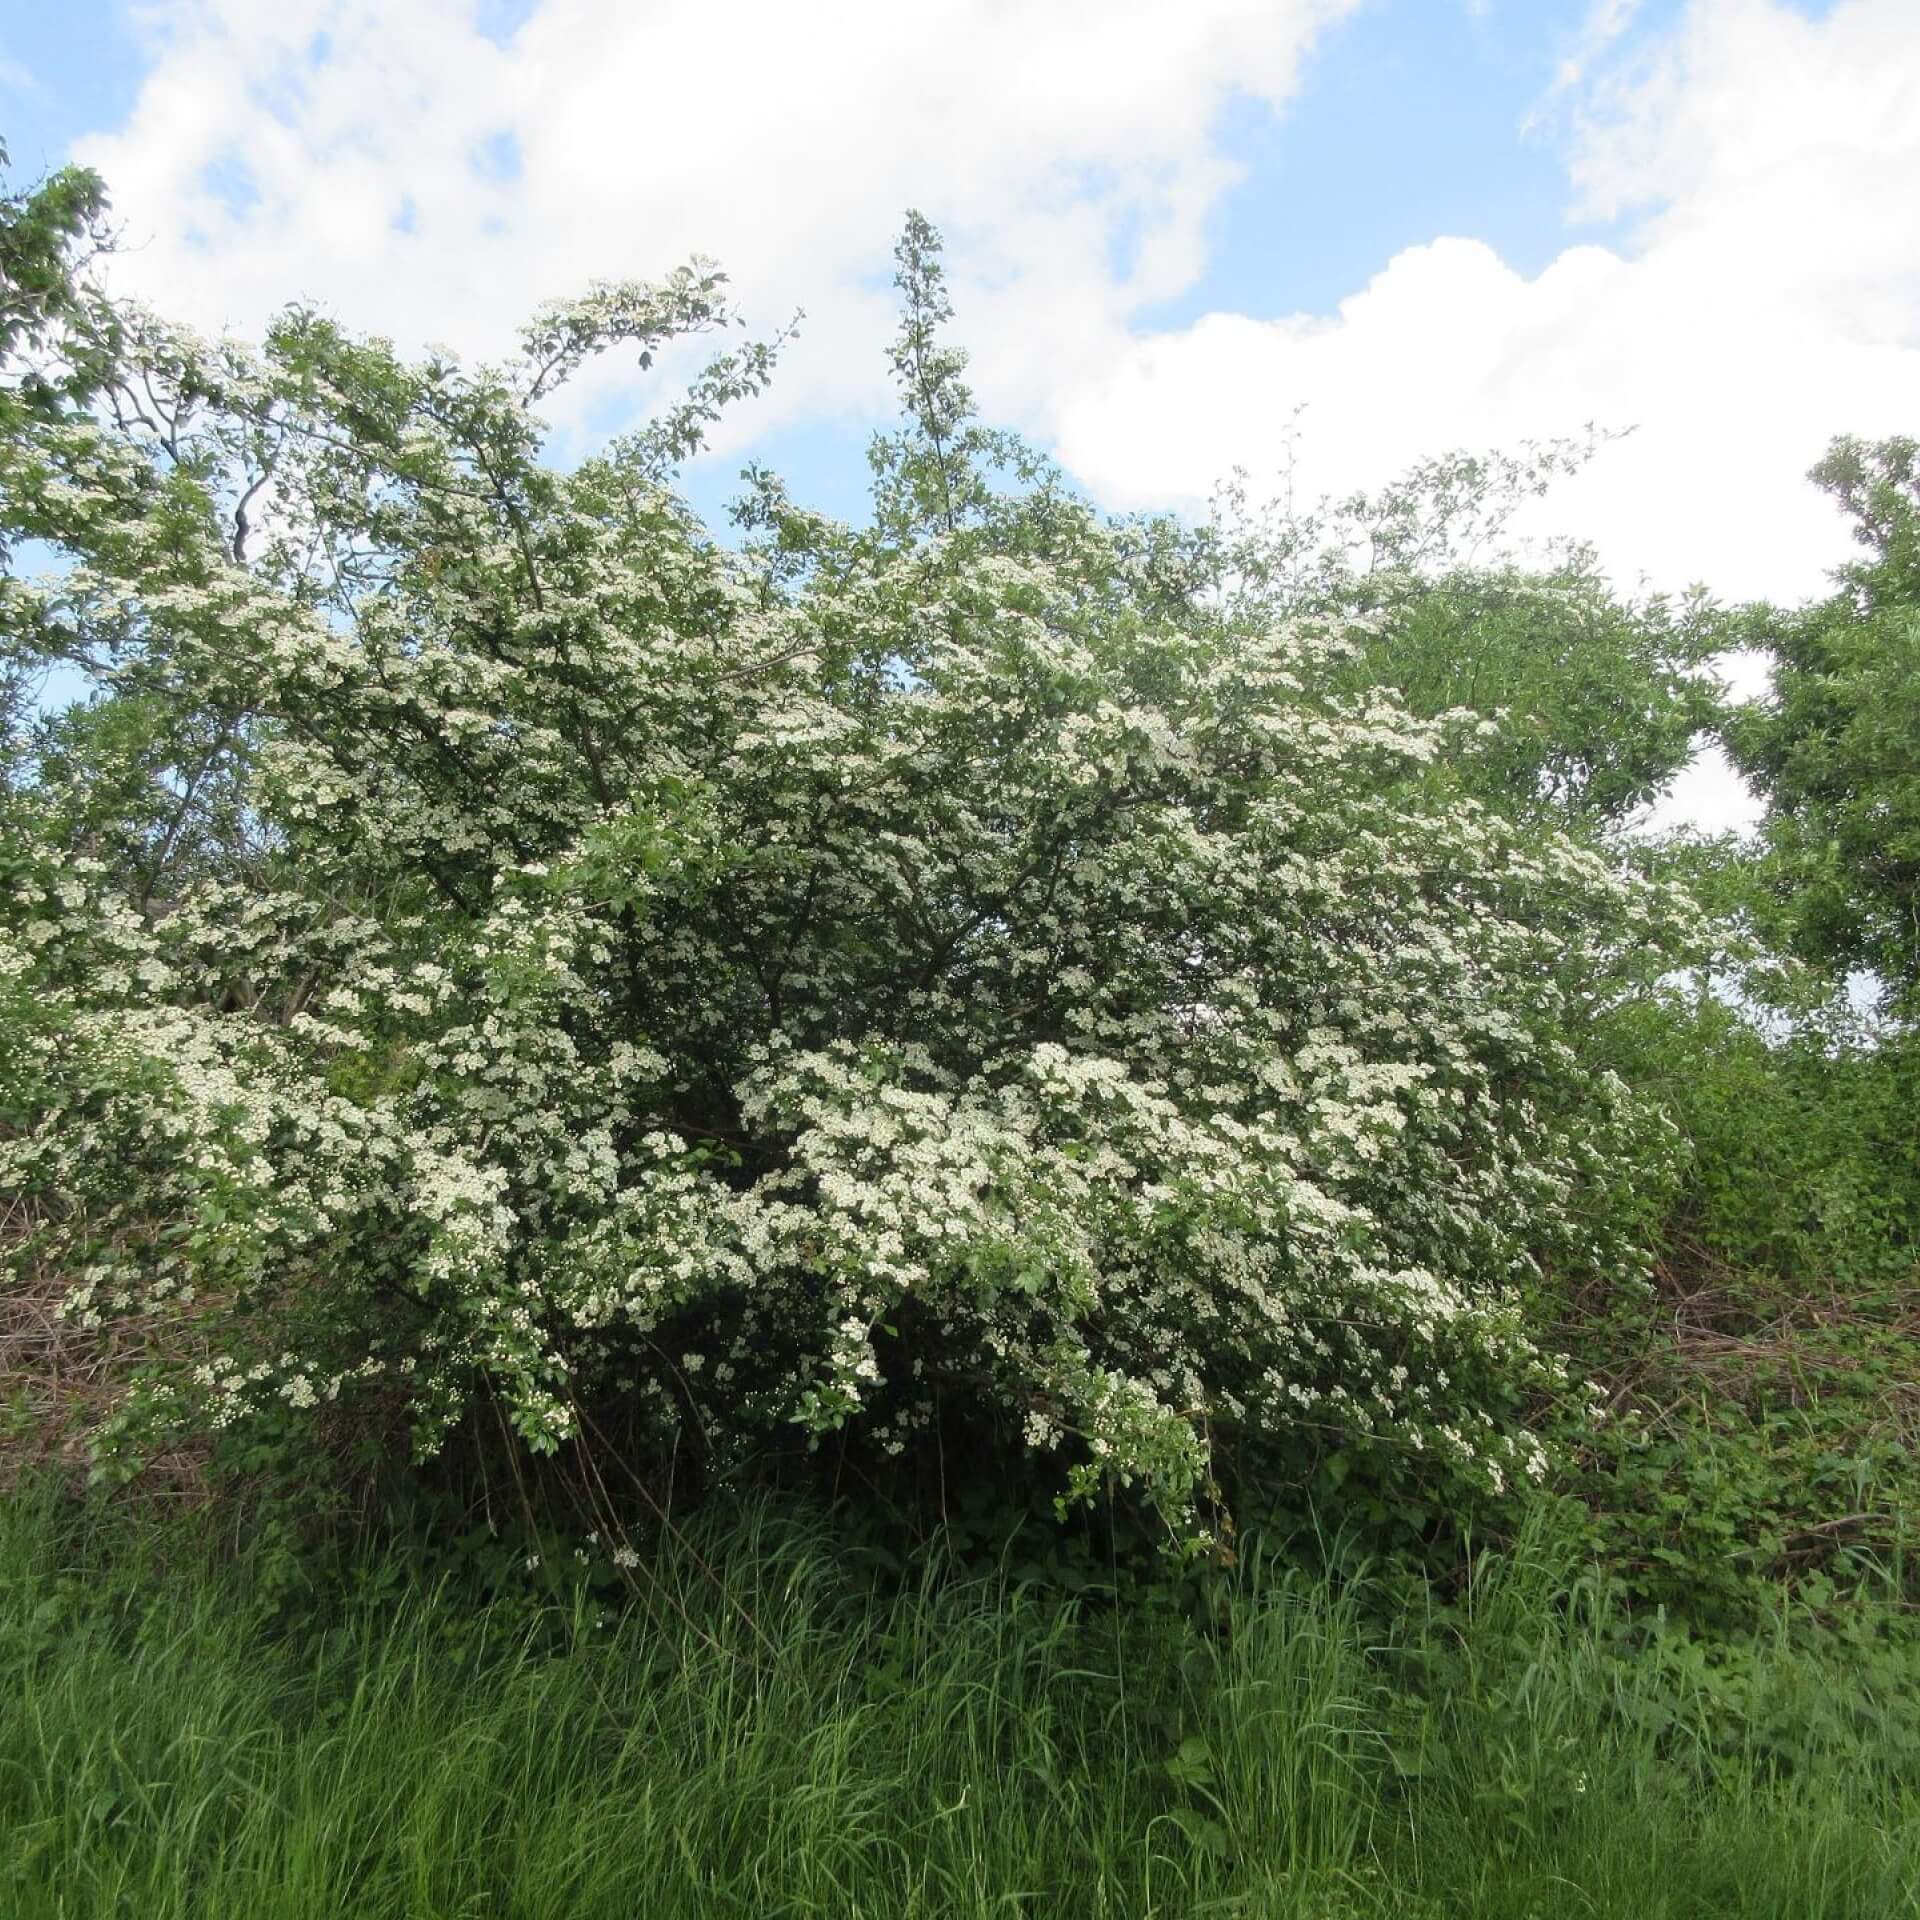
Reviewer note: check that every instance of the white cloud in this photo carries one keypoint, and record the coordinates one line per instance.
(1606, 22)
(785, 139)
(1770, 299)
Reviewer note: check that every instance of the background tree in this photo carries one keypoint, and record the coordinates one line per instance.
(1834, 747)
(1598, 697)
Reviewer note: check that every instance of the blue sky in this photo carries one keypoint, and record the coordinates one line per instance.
(1179, 230)
(1412, 120)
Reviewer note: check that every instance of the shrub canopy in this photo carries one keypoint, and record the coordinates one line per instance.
(489, 937)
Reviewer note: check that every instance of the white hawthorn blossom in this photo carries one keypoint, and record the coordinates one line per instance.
(959, 961)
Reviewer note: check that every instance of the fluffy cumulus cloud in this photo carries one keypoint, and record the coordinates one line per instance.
(1767, 162)
(432, 179)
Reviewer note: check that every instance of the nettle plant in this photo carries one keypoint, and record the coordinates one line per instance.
(488, 939)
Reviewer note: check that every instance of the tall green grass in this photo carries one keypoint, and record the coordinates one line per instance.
(757, 1736)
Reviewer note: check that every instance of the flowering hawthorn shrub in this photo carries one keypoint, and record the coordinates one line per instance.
(487, 937)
